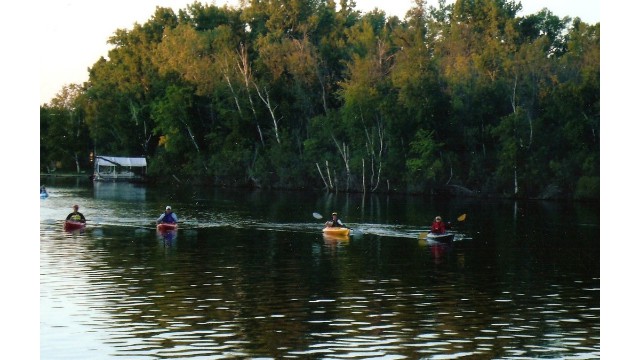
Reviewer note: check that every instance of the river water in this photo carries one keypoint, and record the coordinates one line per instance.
(248, 274)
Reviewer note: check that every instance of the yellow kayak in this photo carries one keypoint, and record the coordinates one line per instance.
(336, 231)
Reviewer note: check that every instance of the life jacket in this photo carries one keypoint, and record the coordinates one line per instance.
(438, 227)
(168, 218)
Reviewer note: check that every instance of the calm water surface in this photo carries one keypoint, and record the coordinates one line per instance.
(249, 275)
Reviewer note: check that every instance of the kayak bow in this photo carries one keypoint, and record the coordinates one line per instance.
(70, 225)
(446, 237)
(336, 231)
(167, 226)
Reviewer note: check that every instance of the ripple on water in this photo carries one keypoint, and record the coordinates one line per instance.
(247, 291)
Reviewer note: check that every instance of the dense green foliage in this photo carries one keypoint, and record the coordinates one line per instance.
(313, 94)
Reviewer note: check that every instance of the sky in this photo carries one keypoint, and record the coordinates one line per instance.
(74, 32)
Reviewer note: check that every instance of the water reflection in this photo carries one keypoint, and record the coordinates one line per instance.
(168, 236)
(335, 239)
(439, 250)
(73, 232)
(253, 279)
(119, 191)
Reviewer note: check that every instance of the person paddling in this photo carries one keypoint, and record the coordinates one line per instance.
(76, 216)
(438, 227)
(168, 217)
(334, 222)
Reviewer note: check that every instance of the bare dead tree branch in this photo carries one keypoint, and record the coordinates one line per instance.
(328, 174)
(245, 69)
(322, 176)
(344, 154)
(265, 99)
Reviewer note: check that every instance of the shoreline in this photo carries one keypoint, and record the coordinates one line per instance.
(64, 175)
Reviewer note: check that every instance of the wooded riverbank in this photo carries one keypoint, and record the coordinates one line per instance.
(464, 99)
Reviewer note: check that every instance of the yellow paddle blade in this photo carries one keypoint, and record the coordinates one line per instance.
(462, 217)
(422, 235)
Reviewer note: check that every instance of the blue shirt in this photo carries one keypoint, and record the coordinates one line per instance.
(170, 218)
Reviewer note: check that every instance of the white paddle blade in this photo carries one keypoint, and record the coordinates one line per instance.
(317, 216)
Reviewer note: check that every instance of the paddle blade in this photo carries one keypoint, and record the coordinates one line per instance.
(422, 236)
(317, 216)
(462, 217)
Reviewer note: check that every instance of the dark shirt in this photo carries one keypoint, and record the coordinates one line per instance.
(336, 223)
(76, 216)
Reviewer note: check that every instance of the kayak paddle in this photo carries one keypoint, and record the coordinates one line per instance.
(319, 216)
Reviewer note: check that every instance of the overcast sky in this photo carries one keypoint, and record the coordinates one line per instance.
(74, 32)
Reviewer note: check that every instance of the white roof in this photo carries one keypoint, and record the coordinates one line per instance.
(123, 161)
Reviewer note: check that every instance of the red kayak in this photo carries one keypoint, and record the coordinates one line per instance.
(167, 226)
(70, 225)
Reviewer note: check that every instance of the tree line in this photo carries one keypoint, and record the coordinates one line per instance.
(464, 98)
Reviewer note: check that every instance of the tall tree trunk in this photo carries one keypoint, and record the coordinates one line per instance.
(324, 92)
(75, 155)
(375, 153)
(135, 110)
(194, 142)
(328, 174)
(245, 70)
(233, 92)
(322, 177)
(364, 184)
(265, 99)
(344, 153)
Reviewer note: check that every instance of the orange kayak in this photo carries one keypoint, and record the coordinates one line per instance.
(336, 231)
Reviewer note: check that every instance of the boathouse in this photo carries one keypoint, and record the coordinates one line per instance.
(115, 168)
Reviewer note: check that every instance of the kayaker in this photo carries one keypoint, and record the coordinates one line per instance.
(76, 216)
(334, 222)
(43, 190)
(168, 217)
(438, 226)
